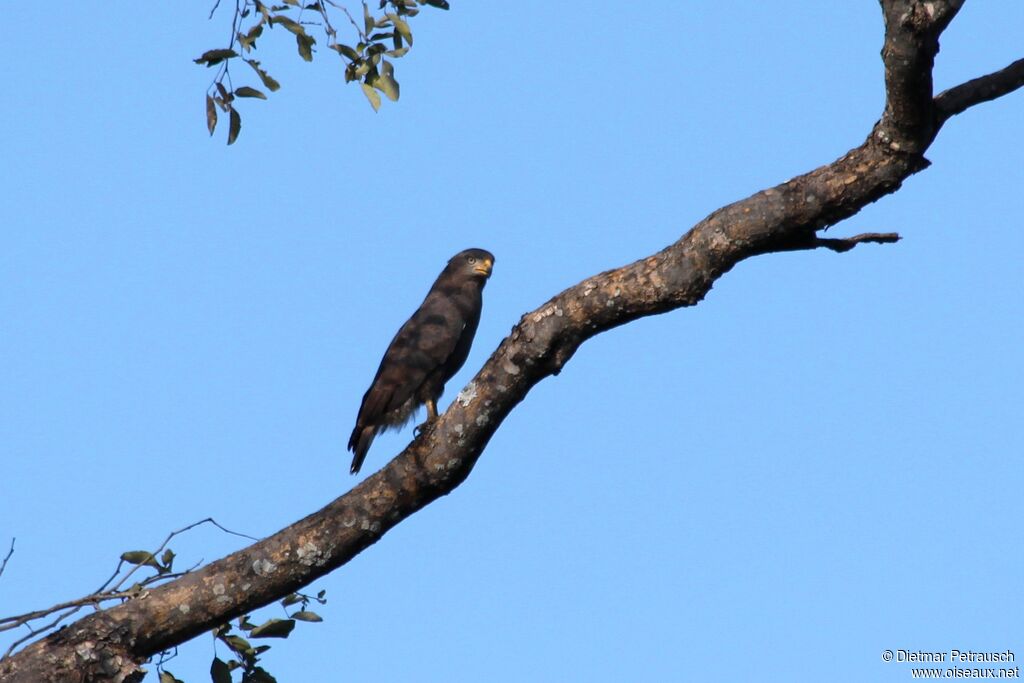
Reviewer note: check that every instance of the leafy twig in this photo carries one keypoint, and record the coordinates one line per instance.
(111, 589)
(384, 34)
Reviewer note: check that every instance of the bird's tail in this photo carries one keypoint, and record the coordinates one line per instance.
(359, 444)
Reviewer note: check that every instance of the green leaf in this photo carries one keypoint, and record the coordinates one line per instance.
(387, 85)
(234, 126)
(168, 557)
(402, 27)
(347, 51)
(290, 24)
(305, 43)
(270, 83)
(274, 628)
(224, 94)
(219, 671)
(292, 599)
(168, 677)
(248, 39)
(140, 557)
(306, 615)
(368, 21)
(246, 91)
(386, 82)
(211, 123)
(211, 57)
(237, 643)
(397, 53)
(440, 4)
(371, 95)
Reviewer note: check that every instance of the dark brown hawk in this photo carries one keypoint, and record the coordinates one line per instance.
(431, 347)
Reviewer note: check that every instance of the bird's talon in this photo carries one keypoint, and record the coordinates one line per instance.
(418, 430)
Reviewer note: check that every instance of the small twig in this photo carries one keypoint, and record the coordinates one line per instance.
(212, 521)
(328, 28)
(33, 632)
(811, 240)
(7, 623)
(362, 36)
(842, 244)
(236, 22)
(208, 520)
(3, 565)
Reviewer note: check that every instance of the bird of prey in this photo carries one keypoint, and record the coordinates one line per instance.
(429, 348)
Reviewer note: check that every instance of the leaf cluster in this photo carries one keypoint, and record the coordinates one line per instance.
(244, 657)
(380, 35)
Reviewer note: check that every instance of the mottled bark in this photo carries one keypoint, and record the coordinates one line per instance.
(112, 644)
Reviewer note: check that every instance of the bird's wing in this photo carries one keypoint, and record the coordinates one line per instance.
(422, 345)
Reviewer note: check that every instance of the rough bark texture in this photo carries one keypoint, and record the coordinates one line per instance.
(112, 644)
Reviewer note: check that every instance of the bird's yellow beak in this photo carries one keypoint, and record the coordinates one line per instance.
(485, 266)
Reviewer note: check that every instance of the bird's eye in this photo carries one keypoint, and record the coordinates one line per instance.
(472, 259)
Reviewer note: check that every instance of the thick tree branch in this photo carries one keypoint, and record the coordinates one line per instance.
(110, 645)
(912, 31)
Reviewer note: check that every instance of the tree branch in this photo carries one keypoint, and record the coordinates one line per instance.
(841, 244)
(3, 565)
(113, 643)
(982, 89)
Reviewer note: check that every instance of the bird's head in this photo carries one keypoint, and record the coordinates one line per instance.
(472, 263)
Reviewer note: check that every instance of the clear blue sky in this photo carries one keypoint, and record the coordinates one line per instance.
(821, 461)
